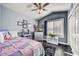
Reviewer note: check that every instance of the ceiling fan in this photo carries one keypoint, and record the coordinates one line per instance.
(40, 7)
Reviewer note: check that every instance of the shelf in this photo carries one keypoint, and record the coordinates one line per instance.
(63, 43)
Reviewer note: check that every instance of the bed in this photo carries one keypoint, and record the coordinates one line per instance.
(19, 46)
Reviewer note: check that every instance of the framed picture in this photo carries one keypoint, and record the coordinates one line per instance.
(19, 23)
(25, 26)
(25, 22)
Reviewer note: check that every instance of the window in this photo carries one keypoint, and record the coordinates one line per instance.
(56, 27)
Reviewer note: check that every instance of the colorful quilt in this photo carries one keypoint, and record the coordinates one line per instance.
(21, 47)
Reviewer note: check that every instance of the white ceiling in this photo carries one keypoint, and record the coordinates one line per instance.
(26, 9)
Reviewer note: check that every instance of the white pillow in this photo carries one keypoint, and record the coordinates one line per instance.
(13, 33)
(1, 37)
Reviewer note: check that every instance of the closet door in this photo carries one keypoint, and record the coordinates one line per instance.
(73, 31)
(77, 30)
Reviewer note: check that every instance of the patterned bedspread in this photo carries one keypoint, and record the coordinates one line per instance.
(21, 47)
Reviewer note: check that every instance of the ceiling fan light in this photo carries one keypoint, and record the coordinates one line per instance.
(40, 11)
(40, 7)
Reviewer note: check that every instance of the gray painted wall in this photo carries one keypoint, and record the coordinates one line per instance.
(0, 16)
(57, 15)
(10, 19)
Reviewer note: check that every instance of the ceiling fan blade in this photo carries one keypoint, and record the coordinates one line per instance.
(34, 9)
(45, 4)
(44, 9)
(35, 4)
(39, 5)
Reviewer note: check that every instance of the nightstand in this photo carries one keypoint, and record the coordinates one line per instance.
(25, 34)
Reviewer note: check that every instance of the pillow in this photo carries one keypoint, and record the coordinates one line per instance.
(7, 36)
(13, 33)
(4, 35)
(1, 37)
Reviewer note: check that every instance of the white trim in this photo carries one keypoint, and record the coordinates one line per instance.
(72, 11)
(63, 43)
(68, 53)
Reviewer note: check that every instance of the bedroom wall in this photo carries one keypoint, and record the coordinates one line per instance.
(0, 16)
(11, 17)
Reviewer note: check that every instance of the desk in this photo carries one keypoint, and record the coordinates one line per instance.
(53, 47)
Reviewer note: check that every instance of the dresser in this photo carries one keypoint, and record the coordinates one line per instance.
(38, 36)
